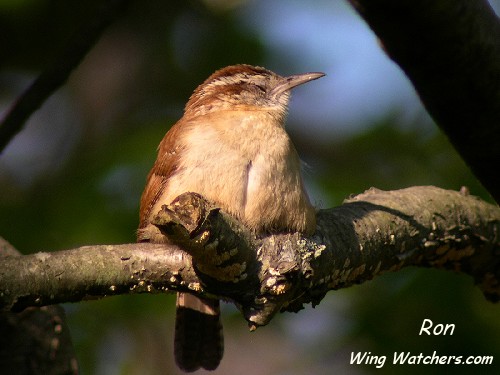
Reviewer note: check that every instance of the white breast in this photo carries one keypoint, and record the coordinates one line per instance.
(244, 164)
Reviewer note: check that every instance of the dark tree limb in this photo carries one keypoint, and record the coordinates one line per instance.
(450, 50)
(57, 73)
(370, 234)
(36, 340)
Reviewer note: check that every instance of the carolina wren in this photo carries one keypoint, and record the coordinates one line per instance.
(232, 148)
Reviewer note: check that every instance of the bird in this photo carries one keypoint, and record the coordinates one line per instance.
(231, 147)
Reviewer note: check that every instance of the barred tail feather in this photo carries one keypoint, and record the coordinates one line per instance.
(198, 333)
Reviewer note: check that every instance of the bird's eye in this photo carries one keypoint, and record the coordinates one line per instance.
(261, 88)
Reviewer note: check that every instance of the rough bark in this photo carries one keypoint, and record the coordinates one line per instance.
(450, 50)
(372, 233)
(36, 340)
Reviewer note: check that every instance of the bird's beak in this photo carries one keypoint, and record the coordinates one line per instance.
(290, 82)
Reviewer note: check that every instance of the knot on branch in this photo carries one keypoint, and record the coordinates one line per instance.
(218, 244)
(261, 282)
(372, 233)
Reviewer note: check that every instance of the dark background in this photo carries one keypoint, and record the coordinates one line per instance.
(75, 174)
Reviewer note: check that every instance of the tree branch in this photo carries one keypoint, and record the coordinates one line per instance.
(450, 50)
(36, 340)
(90, 272)
(370, 234)
(57, 73)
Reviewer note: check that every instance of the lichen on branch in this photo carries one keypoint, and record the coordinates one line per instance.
(215, 256)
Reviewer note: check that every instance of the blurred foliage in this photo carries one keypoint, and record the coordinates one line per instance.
(66, 188)
(390, 157)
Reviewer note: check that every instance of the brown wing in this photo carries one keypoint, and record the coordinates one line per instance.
(165, 166)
